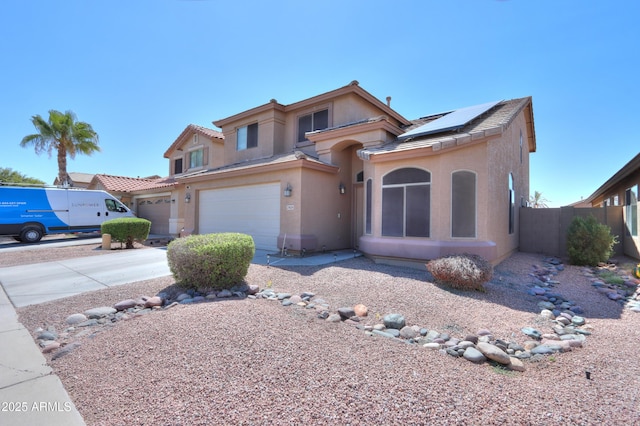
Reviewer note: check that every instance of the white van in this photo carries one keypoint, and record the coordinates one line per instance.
(28, 213)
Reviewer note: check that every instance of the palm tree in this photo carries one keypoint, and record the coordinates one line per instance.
(63, 134)
(537, 201)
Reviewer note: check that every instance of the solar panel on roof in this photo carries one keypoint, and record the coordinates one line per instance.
(451, 121)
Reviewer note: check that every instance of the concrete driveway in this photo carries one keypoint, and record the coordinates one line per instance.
(42, 282)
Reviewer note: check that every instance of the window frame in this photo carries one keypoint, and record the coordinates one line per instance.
(175, 164)
(300, 135)
(409, 194)
(247, 137)
(631, 210)
(512, 204)
(368, 201)
(467, 206)
(190, 157)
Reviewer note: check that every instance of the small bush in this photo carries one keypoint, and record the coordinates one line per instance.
(465, 271)
(210, 261)
(127, 230)
(589, 241)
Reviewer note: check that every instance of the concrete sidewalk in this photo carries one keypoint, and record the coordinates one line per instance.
(30, 393)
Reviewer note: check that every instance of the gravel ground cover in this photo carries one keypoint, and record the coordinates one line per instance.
(257, 362)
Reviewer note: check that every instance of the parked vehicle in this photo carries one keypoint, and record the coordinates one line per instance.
(29, 213)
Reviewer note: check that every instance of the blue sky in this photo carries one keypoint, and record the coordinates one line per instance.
(141, 71)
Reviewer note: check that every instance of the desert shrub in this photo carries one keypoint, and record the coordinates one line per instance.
(127, 230)
(210, 261)
(464, 271)
(589, 241)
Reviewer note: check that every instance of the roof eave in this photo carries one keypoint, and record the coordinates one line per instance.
(181, 139)
(625, 171)
(271, 105)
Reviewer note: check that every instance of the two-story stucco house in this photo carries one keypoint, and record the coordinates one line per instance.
(344, 170)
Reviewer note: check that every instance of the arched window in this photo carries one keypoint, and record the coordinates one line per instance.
(512, 204)
(406, 203)
(463, 204)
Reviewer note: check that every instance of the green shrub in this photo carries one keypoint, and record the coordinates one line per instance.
(215, 261)
(589, 241)
(127, 230)
(464, 271)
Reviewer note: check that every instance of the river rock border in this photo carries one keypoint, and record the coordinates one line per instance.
(567, 328)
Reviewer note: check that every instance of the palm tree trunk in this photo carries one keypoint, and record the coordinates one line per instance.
(63, 176)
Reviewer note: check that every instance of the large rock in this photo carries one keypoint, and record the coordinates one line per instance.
(531, 332)
(564, 345)
(346, 313)
(74, 319)
(100, 312)
(125, 304)
(334, 318)
(361, 310)
(395, 321)
(516, 364)
(153, 301)
(408, 332)
(547, 349)
(474, 355)
(494, 353)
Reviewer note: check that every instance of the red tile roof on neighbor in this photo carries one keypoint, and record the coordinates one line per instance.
(129, 184)
(191, 129)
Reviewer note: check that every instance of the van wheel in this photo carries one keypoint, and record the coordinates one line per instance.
(31, 234)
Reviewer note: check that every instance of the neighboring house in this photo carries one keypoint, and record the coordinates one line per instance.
(622, 190)
(150, 198)
(78, 180)
(344, 170)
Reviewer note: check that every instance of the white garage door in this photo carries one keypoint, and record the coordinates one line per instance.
(252, 210)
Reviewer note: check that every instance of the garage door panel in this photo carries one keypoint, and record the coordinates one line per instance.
(157, 210)
(252, 210)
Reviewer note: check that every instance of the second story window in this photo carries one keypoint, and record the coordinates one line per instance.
(196, 158)
(311, 122)
(247, 137)
(177, 166)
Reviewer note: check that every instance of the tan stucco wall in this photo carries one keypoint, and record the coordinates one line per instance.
(271, 137)
(504, 158)
(308, 218)
(213, 150)
(492, 159)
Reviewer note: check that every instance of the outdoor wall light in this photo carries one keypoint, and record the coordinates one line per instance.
(342, 189)
(187, 198)
(287, 191)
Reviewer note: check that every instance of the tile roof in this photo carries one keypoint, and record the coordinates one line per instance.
(492, 122)
(190, 129)
(129, 184)
(249, 164)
